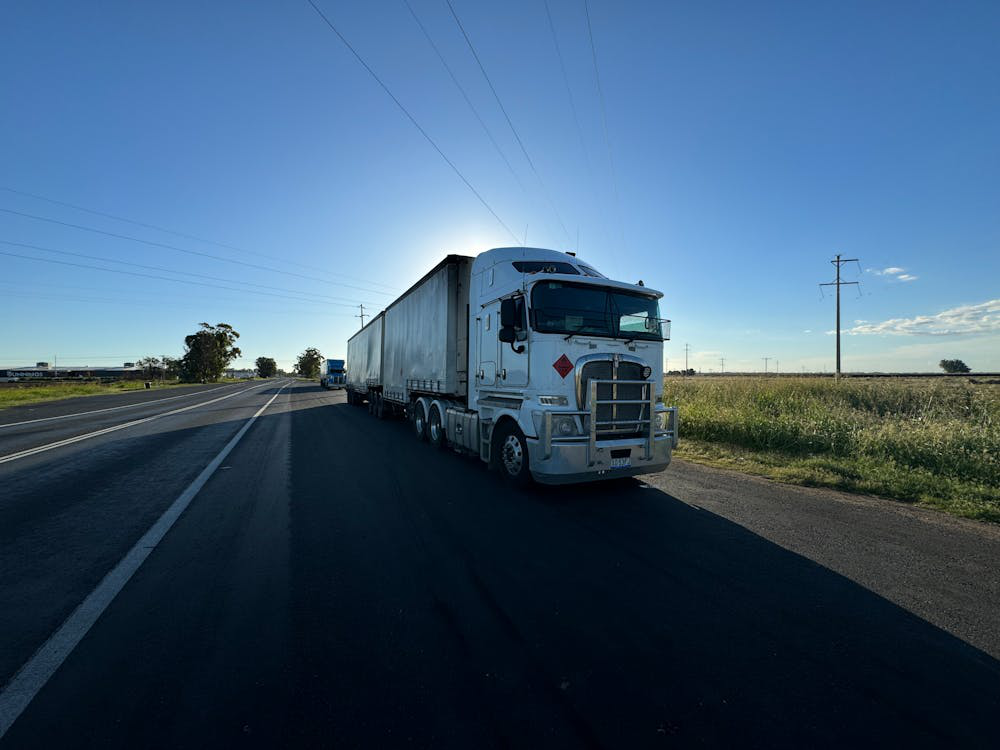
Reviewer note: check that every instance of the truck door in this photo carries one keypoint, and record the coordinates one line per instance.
(487, 323)
(514, 365)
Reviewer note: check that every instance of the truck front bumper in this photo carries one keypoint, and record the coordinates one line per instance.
(571, 462)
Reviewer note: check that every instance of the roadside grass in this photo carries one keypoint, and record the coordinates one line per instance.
(931, 443)
(32, 394)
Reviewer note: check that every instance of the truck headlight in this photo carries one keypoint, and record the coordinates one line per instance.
(553, 401)
(662, 420)
(563, 426)
(646, 372)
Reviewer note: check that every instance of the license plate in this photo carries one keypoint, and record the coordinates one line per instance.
(621, 463)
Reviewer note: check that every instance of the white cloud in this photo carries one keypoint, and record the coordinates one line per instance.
(807, 331)
(906, 277)
(965, 319)
(890, 271)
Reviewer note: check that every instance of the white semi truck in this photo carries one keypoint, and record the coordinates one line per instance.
(528, 358)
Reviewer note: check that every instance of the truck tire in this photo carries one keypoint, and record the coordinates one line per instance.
(380, 406)
(511, 451)
(419, 420)
(371, 402)
(435, 428)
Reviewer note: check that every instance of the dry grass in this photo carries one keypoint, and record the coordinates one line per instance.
(31, 394)
(933, 442)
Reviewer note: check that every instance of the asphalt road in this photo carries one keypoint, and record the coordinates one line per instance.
(334, 583)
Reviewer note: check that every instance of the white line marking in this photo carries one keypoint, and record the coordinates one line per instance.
(31, 678)
(115, 408)
(115, 428)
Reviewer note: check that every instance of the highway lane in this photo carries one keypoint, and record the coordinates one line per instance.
(26, 427)
(337, 584)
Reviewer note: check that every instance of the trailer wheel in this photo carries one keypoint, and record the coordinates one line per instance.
(371, 402)
(419, 420)
(511, 451)
(379, 406)
(435, 428)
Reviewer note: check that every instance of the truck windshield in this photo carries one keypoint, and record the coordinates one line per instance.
(558, 307)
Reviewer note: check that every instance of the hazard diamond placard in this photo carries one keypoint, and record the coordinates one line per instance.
(563, 365)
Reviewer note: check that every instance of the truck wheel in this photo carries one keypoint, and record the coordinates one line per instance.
(419, 420)
(371, 402)
(379, 406)
(512, 455)
(435, 428)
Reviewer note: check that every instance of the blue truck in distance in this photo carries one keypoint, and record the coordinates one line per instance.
(334, 375)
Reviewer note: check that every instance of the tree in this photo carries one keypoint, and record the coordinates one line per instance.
(953, 365)
(266, 367)
(209, 352)
(171, 367)
(307, 365)
(152, 367)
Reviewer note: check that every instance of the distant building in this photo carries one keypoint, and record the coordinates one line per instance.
(241, 374)
(43, 371)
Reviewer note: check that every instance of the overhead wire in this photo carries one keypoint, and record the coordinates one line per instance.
(411, 118)
(565, 77)
(323, 297)
(465, 96)
(604, 121)
(517, 136)
(184, 235)
(165, 278)
(153, 243)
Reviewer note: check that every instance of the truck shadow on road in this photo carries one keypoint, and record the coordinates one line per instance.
(615, 611)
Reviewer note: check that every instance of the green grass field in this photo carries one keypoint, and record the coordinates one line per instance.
(932, 442)
(31, 394)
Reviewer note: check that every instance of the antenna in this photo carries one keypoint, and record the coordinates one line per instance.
(838, 262)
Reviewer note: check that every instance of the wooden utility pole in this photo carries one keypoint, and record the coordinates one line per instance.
(838, 262)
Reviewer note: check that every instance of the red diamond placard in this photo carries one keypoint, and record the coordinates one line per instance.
(563, 365)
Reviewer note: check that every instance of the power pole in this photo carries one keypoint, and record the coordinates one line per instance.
(722, 364)
(766, 359)
(363, 315)
(838, 262)
(776, 368)
(687, 348)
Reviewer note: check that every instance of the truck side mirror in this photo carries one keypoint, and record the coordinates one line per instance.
(507, 335)
(508, 313)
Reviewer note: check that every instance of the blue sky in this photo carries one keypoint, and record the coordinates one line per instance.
(750, 143)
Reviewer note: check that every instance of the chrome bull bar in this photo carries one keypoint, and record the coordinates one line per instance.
(648, 424)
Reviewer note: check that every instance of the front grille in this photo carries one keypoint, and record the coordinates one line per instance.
(606, 370)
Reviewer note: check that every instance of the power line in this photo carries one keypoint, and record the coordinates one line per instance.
(454, 79)
(162, 278)
(604, 121)
(838, 262)
(184, 235)
(517, 137)
(323, 297)
(153, 243)
(569, 90)
(410, 117)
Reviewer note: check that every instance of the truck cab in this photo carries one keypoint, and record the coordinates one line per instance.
(334, 376)
(575, 360)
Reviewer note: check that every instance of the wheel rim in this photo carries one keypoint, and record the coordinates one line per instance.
(512, 455)
(418, 420)
(435, 426)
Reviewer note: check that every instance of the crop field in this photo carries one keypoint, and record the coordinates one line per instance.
(931, 442)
